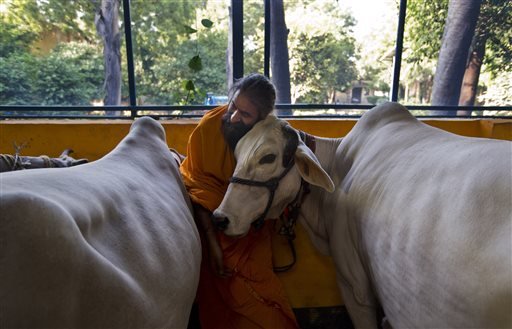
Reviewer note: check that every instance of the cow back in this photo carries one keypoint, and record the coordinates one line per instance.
(111, 243)
(431, 212)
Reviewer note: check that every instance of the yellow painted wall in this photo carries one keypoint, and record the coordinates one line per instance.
(311, 282)
(92, 139)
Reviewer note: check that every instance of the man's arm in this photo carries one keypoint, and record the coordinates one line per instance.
(203, 220)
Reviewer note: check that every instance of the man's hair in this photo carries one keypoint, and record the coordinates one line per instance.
(260, 91)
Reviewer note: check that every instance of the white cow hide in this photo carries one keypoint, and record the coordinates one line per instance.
(420, 220)
(108, 244)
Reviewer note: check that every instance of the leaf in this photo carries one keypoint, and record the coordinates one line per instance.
(189, 30)
(189, 85)
(196, 63)
(207, 23)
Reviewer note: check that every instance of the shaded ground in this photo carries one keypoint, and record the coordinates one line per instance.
(308, 318)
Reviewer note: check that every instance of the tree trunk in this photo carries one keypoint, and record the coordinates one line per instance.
(279, 59)
(229, 52)
(458, 34)
(107, 26)
(471, 76)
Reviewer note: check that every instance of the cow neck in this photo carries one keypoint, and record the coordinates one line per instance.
(304, 190)
(325, 151)
(291, 212)
(313, 207)
(308, 139)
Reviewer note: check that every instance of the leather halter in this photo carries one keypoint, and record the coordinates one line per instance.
(291, 213)
(272, 184)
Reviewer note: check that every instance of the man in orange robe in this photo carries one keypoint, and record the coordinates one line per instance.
(238, 288)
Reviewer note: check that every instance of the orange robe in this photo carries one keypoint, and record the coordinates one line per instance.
(253, 297)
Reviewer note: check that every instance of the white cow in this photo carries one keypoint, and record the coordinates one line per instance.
(420, 220)
(108, 244)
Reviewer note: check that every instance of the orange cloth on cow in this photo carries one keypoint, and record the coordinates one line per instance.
(253, 297)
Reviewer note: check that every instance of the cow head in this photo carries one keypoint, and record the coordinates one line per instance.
(271, 160)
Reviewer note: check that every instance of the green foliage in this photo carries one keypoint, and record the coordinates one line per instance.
(206, 23)
(169, 52)
(75, 18)
(425, 22)
(16, 72)
(14, 39)
(70, 75)
(254, 25)
(189, 30)
(498, 92)
(375, 77)
(189, 85)
(322, 50)
(424, 27)
(494, 28)
(324, 65)
(195, 63)
(180, 55)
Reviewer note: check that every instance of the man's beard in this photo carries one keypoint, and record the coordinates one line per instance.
(233, 132)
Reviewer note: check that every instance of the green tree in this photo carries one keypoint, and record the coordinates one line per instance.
(499, 91)
(163, 37)
(458, 33)
(490, 49)
(14, 39)
(16, 79)
(279, 57)
(70, 75)
(494, 33)
(107, 26)
(322, 65)
(74, 18)
(254, 34)
(322, 50)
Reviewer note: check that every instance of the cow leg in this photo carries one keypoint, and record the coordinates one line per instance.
(362, 316)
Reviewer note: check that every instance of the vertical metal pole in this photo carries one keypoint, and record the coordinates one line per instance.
(129, 56)
(266, 56)
(398, 52)
(238, 38)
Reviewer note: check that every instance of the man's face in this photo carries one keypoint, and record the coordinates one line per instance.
(242, 114)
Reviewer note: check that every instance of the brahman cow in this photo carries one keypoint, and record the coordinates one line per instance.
(108, 244)
(420, 219)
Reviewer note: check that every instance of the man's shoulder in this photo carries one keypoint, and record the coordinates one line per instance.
(212, 120)
(214, 114)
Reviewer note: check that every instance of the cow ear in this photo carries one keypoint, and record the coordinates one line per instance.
(310, 169)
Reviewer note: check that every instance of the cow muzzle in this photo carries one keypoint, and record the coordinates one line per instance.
(220, 222)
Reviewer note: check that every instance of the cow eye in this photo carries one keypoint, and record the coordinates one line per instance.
(269, 158)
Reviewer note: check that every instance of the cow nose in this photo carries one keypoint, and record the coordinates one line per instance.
(220, 223)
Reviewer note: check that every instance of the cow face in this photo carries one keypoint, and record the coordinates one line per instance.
(269, 156)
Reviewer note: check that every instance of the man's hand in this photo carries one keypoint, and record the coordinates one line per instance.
(203, 221)
(216, 257)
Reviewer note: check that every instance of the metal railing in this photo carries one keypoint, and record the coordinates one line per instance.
(197, 111)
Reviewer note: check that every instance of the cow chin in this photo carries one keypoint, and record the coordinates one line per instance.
(236, 236)
(237, 230)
